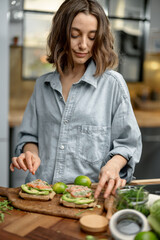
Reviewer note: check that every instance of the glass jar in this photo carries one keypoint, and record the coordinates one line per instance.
(132, 197)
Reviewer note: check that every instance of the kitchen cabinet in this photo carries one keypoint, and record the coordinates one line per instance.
(130, 21)
(149, 165)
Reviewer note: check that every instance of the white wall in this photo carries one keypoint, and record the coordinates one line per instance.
(4, 93)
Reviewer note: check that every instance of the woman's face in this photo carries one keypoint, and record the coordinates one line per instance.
(83, 33)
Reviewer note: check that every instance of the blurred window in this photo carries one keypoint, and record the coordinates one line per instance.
(37, 21)
(36, 29)
(127, 8)
(42, 5)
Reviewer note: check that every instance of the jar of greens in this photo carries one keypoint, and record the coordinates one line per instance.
(132, 197)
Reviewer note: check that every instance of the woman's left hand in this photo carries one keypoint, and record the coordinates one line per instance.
(109, 178)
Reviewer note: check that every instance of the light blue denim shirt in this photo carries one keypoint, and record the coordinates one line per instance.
(79, 136)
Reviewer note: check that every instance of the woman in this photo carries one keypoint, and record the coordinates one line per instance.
(79, 120)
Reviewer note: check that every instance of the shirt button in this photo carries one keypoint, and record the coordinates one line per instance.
(61, 147)
(65, 121)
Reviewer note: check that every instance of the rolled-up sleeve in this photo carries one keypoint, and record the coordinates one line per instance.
(126, 138)
(28, 129)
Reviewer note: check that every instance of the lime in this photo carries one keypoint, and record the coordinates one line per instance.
(83, 180)
(90, 237)
(146, 236)
(59, 187)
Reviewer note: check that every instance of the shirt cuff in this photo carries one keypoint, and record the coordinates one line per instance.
(23, 141)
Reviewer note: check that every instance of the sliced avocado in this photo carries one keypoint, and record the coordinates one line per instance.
(45, 192)
(30, 190)
(65, 197)
(41, 190)
(84, 201)
(26, 189)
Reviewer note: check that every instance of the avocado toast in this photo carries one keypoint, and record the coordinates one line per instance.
(76, 196)
(37, 190)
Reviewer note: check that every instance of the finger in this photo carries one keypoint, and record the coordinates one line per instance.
(29, 161)
(36, 164)
(110, 187)
(15, 163)
(100, 187)
(21, 163)
(120, 183)
(117, 185)
(123, 183)
(12, 167)
(106, 185)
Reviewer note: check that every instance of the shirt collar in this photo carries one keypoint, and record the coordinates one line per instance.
(54, 81)
(88, 77)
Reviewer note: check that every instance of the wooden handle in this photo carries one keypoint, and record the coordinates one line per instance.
(145, 181)
(3, 191)
(138, 182)
(109, 206)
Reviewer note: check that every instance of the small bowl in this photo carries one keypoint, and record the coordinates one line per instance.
(137, 195)
(126, 223)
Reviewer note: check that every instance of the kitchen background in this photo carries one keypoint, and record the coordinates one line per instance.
(24, 25)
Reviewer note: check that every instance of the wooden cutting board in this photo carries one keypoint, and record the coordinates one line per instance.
(51, 207)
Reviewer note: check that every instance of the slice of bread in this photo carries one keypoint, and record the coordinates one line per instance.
(74, 205)
(28, 196)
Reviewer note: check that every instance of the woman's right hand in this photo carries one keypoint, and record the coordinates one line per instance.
(27, 160)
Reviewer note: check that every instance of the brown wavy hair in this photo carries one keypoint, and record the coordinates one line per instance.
(58, 42)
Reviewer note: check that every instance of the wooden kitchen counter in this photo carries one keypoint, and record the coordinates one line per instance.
(148, 118)
(144, 118)
(20, 225)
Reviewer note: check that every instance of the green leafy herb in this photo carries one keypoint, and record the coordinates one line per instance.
(4, 207)
(133, 198)
(79, 213)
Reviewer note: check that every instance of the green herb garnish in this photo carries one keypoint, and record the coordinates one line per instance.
(4, 207)
(79, 213)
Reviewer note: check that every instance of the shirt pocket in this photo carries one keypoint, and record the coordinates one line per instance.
(93, 143)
